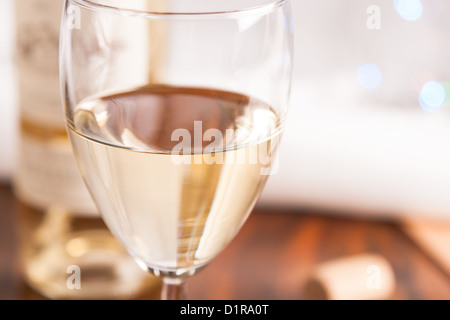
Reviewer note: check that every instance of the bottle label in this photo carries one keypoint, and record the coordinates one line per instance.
(38, 28)
(47, 175)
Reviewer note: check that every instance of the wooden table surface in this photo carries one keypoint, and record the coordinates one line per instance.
(272, 257)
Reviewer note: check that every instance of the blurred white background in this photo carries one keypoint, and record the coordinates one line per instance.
(8, 97)
(369, 123)
(358, 138)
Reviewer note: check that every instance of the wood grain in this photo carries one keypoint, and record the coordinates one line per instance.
(433, 237)
(9, 277)
(273, 256)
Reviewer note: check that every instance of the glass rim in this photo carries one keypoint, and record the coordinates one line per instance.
(264, 8)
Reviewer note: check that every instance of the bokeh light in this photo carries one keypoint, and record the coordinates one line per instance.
(410, 10)
(419, 77)
(432, 96)
(370, 76)
(447, 92)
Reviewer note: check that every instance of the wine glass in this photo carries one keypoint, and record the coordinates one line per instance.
(174, 110)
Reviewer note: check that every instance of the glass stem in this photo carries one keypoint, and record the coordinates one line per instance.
(172, 288)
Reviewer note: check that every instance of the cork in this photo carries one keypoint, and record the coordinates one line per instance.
(360, 277)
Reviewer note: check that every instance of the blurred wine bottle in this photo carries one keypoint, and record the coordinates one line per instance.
(8, 109)
(66, 250)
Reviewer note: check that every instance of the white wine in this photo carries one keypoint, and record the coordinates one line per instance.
(58, 223)
(174, 208)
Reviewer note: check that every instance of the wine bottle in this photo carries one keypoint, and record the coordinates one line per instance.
(66, 250)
